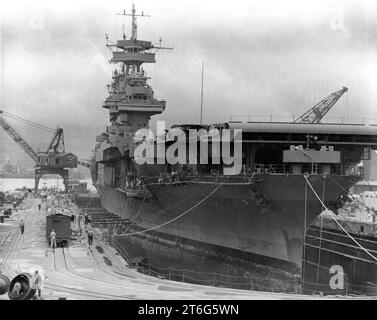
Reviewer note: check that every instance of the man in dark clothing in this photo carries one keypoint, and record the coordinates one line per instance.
(22, 226)
(90, 237)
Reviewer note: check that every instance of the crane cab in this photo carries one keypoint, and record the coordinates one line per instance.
(56, 160)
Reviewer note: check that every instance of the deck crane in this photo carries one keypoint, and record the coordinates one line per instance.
(54, 161)
(316, 113)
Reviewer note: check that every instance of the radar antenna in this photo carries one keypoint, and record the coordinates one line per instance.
(134, 24)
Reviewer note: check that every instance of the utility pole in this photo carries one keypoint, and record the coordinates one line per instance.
(201, 96)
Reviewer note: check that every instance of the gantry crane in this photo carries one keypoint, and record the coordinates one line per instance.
(316, 113)
(54, 161)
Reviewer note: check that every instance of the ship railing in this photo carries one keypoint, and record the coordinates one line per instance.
(146, 101)
(254, 283)
(292, 285)
(283, 168)
(350, 170)
(290, 119)
(271, 168)
(221, 280)
(149, 101)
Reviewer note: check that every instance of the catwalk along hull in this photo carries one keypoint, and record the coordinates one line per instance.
(234, 227)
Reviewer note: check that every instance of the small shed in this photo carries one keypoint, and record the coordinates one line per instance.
(61, 224)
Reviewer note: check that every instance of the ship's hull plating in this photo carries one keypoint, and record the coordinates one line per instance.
(330, 253)
(232, 227)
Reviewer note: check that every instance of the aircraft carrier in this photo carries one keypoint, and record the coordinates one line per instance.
(200, 217)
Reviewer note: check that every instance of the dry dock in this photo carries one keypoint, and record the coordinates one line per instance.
(82, 273)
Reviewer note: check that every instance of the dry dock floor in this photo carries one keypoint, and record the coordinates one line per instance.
(82, 273)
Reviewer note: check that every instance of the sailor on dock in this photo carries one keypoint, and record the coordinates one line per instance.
(53, 239)
(36, 283)
(22, 226)
(85, 218)
(90, 237)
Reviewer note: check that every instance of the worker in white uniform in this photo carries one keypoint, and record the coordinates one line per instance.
(53, 239)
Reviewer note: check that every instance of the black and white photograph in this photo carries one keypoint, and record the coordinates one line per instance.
(193, 154)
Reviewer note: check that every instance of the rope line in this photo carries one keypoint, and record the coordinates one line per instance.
(29, 122)
(320, 233)
(132, 219)
(305, 226)
(177, 217)
(337, 222)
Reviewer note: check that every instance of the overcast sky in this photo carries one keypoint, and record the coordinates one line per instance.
(261, 58)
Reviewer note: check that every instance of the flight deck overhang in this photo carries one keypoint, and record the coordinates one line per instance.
(295, 134)
(287, 127)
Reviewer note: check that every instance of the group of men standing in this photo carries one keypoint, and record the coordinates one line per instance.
(36, 282)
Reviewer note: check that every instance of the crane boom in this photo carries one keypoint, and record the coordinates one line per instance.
(84, 163)
(17, 138)
(57, 142)
(316, 113)
(55, 160)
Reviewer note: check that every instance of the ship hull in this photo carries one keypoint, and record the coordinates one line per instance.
(229, 227)
(327, 248)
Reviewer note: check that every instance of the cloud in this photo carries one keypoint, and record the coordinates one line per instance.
(261, 58)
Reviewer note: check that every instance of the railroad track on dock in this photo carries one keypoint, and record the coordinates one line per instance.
(64, 270)
(13, 254)
(11, 269)
(5, 238)
(10, 253)
(68, 272)
(17, 240)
